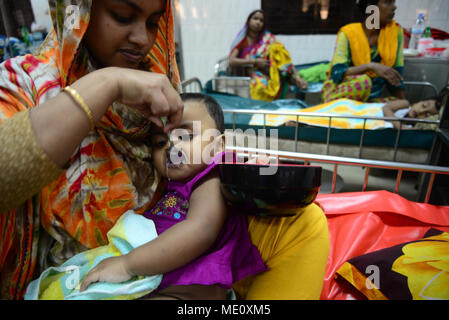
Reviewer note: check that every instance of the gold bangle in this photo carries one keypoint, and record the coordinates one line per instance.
(75, 95)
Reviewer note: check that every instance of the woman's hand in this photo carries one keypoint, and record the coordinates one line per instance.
(261, 64)
(300, 82)
(152, 94)
(112, 270)
(388, 73)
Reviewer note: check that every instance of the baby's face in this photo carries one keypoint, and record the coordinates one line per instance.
(190, 147)
(423, 109)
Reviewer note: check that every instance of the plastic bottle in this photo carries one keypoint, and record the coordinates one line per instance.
(426, 42)
(417, 31)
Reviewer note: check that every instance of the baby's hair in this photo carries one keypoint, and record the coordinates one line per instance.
(439, 98)
(438, 102)
(212, 106)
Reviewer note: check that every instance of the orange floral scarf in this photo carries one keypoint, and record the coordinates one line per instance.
(109, 174)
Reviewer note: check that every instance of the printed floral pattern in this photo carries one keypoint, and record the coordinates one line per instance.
(426, 266)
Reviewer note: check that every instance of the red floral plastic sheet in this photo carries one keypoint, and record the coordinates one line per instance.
(364, 222)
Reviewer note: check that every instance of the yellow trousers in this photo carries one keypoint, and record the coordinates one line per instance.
(295, 249)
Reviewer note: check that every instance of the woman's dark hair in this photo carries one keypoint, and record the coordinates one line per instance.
(363, 4)
(212, 107)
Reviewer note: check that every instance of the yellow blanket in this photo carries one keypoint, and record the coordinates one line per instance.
(341, 107)
(63, 282)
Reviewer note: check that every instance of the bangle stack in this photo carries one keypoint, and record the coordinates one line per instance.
(75, 95)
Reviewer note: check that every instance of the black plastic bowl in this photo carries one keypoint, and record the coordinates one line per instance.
(280, 194)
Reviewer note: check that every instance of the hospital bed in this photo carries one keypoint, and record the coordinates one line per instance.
(382, 144)
(369, 230)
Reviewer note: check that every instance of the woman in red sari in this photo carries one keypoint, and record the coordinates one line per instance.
(272, 68)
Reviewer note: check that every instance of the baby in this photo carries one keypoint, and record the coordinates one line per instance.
(420, 110)
(201, 248)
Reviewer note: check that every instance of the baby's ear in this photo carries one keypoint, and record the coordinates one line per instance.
(220, 142)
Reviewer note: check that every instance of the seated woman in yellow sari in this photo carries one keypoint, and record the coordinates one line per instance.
(273, 69)
(367, 59)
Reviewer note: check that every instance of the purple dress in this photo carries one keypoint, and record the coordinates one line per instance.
(231, 258)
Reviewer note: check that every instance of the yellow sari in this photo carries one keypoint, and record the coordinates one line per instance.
(361, 51)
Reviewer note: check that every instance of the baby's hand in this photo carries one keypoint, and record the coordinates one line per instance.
(261, 159)
(109, 270)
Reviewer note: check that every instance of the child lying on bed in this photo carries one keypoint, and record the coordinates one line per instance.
(201, 249)
(427, 109)
(420, 110)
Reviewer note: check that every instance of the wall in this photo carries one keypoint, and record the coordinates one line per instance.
(209, 26)
(15, 14)
(42, 13)
(435, 11)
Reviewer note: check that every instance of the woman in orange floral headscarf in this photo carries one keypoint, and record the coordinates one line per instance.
(107, 168)
(69, 170)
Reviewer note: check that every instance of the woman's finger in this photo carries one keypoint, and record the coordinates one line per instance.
(158, 103)
(175, 104)
(156, 120)
(174, 120)
(392, 78)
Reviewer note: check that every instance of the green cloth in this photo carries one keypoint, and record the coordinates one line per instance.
(316, 73)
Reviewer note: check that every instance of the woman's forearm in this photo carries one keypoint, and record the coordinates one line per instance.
(24, 168)
(390, 109)
(240, 62)
(60, 124)
(362, 69)
(174, 248)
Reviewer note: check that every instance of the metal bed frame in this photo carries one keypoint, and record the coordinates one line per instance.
(330, 117)
(194, 85)
(336, 161)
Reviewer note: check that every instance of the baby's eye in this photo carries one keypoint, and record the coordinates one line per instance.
(159, 143)
(186, 137)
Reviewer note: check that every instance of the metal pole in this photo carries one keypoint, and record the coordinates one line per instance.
(365, 182)
(334, 178)
(8, 22)
(7, 17)
(296, 133)
(398, 181)
(362, 138)
(328, 139)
